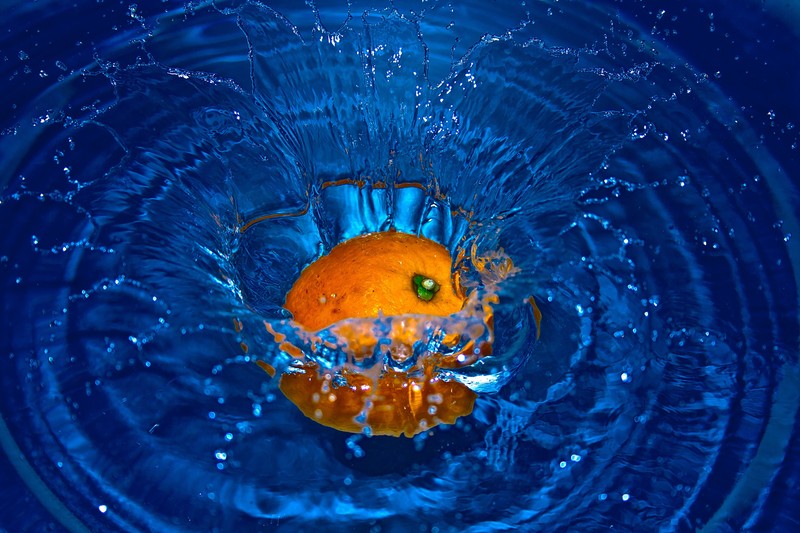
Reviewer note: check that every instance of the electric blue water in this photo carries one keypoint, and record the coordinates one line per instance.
(165, 171)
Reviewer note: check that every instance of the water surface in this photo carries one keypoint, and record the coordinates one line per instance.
(163, 177)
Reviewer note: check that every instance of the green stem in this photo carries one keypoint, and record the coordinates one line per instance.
(425, 287)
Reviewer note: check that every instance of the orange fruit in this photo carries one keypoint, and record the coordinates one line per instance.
(370, 275)
(378, 274)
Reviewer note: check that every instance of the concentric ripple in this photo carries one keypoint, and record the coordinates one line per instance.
(163, 190)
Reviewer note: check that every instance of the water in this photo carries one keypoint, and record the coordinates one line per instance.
(166, 174)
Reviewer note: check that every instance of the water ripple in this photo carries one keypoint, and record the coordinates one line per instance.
(163, 190)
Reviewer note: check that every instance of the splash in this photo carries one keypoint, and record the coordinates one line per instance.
(388, 354)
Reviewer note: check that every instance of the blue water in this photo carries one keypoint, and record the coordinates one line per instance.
(163, 169)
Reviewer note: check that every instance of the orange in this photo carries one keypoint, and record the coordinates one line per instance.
(378, 274)
(371, 275)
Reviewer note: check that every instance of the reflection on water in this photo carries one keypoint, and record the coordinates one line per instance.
(162, 197)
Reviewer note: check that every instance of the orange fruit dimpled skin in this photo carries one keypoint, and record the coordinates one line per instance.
(366, 277)
(373, 274)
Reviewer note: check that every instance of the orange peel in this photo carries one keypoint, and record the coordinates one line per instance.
(372, 275)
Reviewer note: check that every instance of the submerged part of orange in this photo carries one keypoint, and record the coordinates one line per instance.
(396, 405)
(378, 274)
